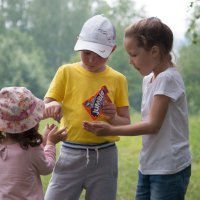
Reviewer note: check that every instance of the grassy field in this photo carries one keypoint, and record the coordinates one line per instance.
(128, 149)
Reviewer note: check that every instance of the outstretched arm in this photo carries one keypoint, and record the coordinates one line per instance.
(151, 126)
(44, 158)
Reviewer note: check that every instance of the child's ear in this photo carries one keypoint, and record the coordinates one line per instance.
(155, 50)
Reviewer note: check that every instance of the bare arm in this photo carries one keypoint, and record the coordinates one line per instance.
(157, 115)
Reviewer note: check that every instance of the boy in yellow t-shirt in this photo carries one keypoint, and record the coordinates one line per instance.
(88, 90)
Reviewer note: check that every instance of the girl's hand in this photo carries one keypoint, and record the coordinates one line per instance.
(47, 130)
(56, 135)
(109, 110)
(53, 109)
(99, 128)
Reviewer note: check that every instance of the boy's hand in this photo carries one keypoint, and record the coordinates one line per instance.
(53, 109)
(99, 128)
(109, 110)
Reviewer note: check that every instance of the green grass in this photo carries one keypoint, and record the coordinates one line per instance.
(128, 151)
(193, 192)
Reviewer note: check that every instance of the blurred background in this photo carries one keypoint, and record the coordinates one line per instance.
(36, 37)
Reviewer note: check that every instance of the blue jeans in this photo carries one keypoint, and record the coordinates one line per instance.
(163, 187)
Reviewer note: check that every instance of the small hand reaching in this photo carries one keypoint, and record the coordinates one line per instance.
(52, 135)
(47, 129)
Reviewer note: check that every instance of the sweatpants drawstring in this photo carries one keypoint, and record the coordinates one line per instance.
(89, 147)
(97, 151)
(87, 157)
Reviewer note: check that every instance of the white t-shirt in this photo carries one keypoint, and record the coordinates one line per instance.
(166, 152)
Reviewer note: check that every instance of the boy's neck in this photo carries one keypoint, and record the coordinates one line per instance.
(93, 69)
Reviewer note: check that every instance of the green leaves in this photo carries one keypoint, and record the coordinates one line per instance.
(188, 64)
(22, 63)
(193, 31)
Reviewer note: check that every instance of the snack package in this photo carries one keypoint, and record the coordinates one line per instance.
(94, 104)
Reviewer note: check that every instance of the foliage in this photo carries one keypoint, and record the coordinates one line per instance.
(50, 28)
(189, 64)
(194, 29)
(55, 26)
(22, 62)
(38, 36)
(13, 14)
(193, 191)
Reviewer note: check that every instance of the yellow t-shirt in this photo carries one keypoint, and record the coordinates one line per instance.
(72, 85)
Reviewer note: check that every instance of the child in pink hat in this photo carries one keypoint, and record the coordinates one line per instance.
(24, 154)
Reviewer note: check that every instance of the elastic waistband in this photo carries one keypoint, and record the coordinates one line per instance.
(88, 146)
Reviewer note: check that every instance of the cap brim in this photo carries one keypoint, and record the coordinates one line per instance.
(102, 50)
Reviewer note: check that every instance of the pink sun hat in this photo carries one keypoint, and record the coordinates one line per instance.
(20, 110)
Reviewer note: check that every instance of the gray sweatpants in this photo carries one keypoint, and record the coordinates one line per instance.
(94, 170)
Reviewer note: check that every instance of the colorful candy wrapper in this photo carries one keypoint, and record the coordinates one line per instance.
(94, 104)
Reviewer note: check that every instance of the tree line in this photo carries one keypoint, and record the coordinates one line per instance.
(37, 36)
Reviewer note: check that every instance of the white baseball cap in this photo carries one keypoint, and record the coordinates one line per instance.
(97, 35)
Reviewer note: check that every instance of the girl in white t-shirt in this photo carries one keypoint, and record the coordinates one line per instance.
(165, 159)
(24, 154)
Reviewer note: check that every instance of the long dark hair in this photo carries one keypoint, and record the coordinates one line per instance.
(28, 138)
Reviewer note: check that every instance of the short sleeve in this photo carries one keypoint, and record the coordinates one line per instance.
(122, 92)
(170, 85)
(57, 86)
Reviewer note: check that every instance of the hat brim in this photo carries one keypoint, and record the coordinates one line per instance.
(102, 50)
(23, 125)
